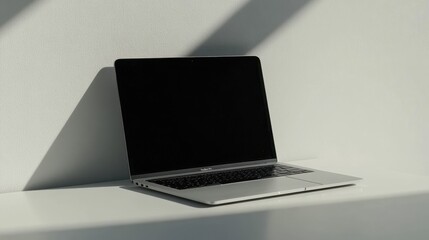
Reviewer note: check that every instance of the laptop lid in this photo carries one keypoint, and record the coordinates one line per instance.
(195, 112)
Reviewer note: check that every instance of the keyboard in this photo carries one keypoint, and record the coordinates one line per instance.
(229, 176)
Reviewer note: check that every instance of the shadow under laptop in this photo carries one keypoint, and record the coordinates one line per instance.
(90, 147)
(190, 203)
(165, 196)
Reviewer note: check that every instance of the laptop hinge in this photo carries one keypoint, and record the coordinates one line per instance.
(205, 169)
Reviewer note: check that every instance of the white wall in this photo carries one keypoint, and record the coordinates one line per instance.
(346, 80)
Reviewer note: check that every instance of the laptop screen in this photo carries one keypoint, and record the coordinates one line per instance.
(181, 113)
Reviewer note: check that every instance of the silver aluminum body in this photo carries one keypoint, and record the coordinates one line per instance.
(241, 191)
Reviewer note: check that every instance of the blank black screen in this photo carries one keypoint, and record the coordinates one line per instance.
(193, 112)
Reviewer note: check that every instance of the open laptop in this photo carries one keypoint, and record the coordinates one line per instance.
(199, 128)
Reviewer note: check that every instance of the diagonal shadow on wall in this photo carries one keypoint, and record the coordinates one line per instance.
(248, 27)
(11, 8)
(91, 147)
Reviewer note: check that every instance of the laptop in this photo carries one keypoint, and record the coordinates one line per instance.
(199, 128)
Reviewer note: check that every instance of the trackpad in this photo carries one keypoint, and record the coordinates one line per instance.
(324, 177)
(265, 187)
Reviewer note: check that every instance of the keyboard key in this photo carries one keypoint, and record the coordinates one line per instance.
(229, 176)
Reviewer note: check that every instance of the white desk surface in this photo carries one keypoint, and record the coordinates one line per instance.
(385, 205)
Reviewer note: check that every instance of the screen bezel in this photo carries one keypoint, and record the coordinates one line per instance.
(118, 64)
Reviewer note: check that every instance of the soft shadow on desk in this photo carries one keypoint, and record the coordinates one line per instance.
(393, 218)
(90, 147)
(165, 196)
(118, 183)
